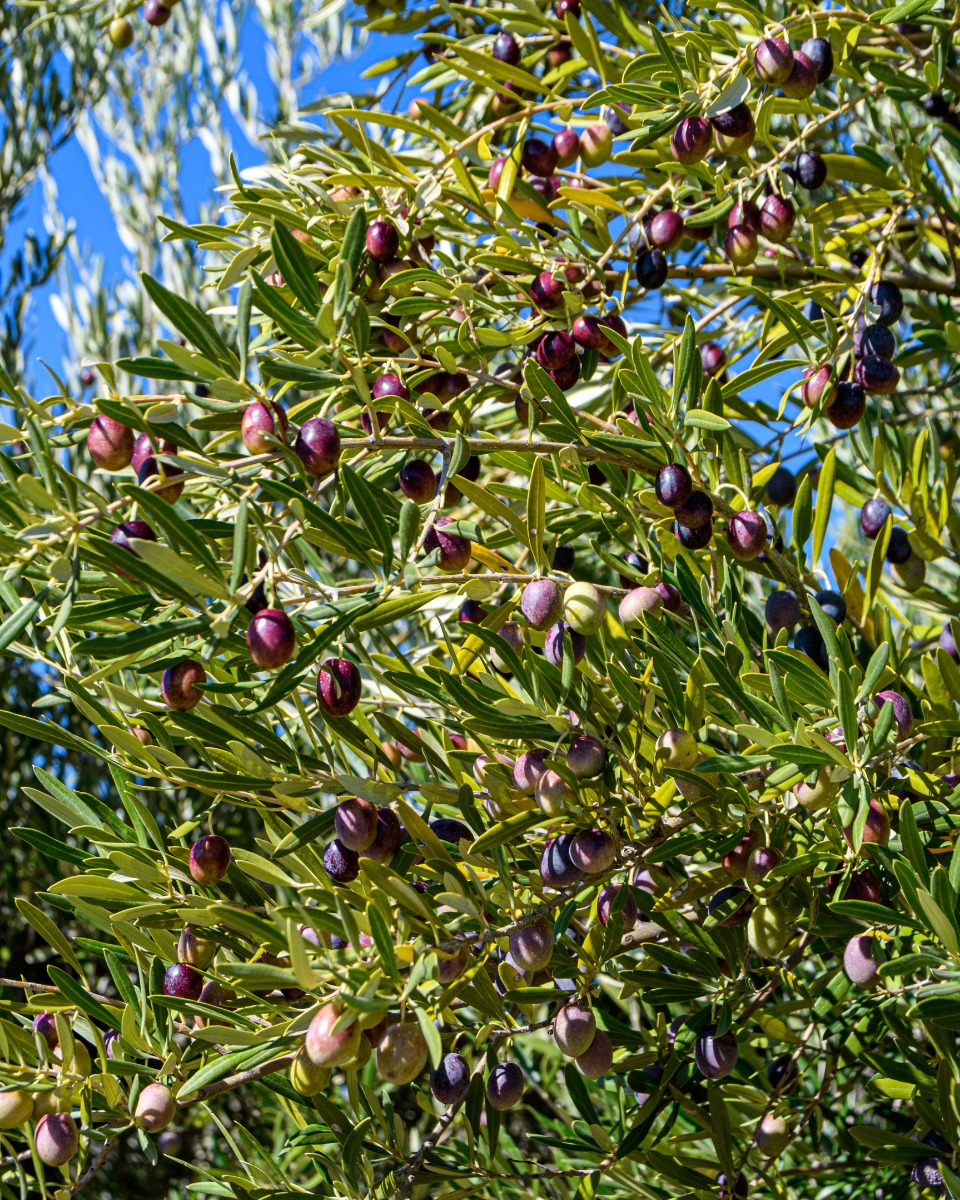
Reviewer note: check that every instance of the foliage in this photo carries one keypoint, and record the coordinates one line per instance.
(777, 981)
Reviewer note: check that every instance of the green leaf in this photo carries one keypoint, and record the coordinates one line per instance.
(295, 268)
(193, 324)
(821, 520)
(49, 932)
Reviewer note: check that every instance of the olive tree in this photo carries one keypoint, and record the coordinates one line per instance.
(520, 778)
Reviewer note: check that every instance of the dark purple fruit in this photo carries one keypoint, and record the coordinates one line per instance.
(615, 122)
(848, 406)
(926, 1173)
(448, 829)
(809, 641)
(674, 486)
(888, 297)
(182, 981)
(593, 851)
(563, 558)
(859, 965)
(209, 859)
(340, 863)
(773, 60)
(137, 530)
(318, 446)
(734, 130)
(744, 212)
(877, 376)
(735, 860)
(110, 443)
(588, 333)
(454, 550)
(862, 885)
(740, 245)
(260, 421)
(505, 1082)
(693, 539)
(558, 637)
(155, 13)
(782, 611)
(877, 828)
(820, 53)
(875, 341)
(46, 1025)
(652, 270)
(586, 757)
(355, 821)
(747, 534)
(546, 292)
(56, 1137)
(712, 359)
(817, 383)
(471, 612)
(557, 869)
(338, 687)
(781, 488)
(542, 603)
(179, 685)
(666, 230)
(390, 834)
(691, 140)
(555, 350)
(726, 898)
(152, 468)
(506, 48)
(389, 384)
(948, 643)
(271, 638)
(382, 241)
(494, 175)
(833, 604)
(716, 1054)
(538, 157)
(902, 716)
(418, 481)
(696, 511)
(566, 146)
(810, 170)
(777, 217)
(609, 896)
(783, 1074)
(450, 1079)
(898, 548)
(738, 1191)
(802, 80)
(562, 7)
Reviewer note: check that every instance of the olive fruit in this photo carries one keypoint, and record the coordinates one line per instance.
(504, 1086)
(402, 1052)
(450, 1079)
(318, 446)
(859, 964)
(773, 60)
(338, 687)
(110, 443)
(271, 638)
(597, 1059)
(716, 1054)
(327, 1046)
(155, 1108)
(209, 858)
(531, 946)
(56, 1139)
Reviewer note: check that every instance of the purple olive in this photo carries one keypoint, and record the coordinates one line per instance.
(259, 421)
(735, 860)
(338, 687)
(848, 406)
(181, 981)
(155, 13)
(740, 245)
(773, 60)
(862, 885)
(318, 446)
(712, 359)
(818, 382)
(148, 468)
(652, 270)
(597, 1059)
(179, 685)
(696, 511)
(553, 646)
(566, 376)
(448, 829)
(744, 212)
(271, 638)
(555, 350)
(471, 612)
(56, 1137)
(746, 534)
(542, 603)
(418, 481)
(527, 770)
(454, 551)
(693, 539)
(761, 862)
(574, 1029)
(566, 146)
(902, 716)
(810, 170)
(889, 298)
(948, 643)
(715, 1054)
(898, 547)
(46, 1025)
(782, 611)
(504, 1086)
(859, 964)
(877, 376)
(593, 851)
(110, 443)
(875, 340)
(802, 80)
(735, 1191)
(556, 866)
(389, 384)
(585, 758)
(588, 333)
(674, 487)
(538, 157)
(666, 230)
(209, 858)
(546, 292)
(777, 217)
(734, 130)
(531, 947)
(495, 173)
(608, 898)
(356, 823)
(725, 897)
(340, 862)
(781, 488)
(382, 241)
(390, 834)
(691, 140)
(450, 1079)
(877, 828)
(506, 48)
(820, 53)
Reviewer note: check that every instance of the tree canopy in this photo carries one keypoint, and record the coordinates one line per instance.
(512, 612)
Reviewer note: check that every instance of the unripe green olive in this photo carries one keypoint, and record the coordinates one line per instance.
(677, 749)
(583, 608)
(402, 1053)
(773, 1135)
(767, 930)
(819, 794)
(15, 1109)
(306, 1077)
(156, 1108)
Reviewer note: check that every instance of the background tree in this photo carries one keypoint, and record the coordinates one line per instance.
(509, 843)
